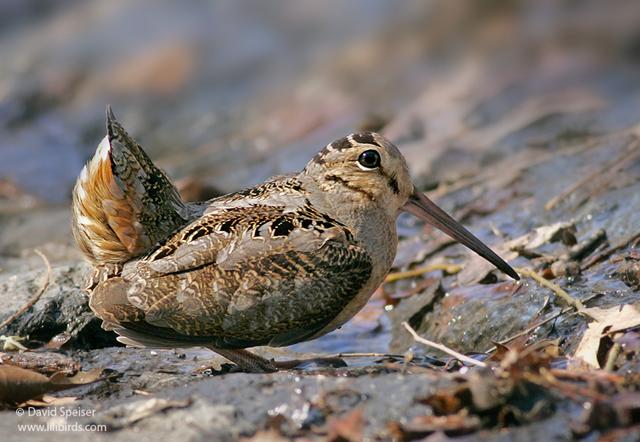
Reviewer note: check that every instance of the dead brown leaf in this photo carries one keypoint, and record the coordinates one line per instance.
(18, 385)
(531, 358)
(346, 427)
(124, 415)
(58, 341)
(591, 348)
(459, 422)
(421, 426)
(48, 401)
(449, 401)
(46, 363)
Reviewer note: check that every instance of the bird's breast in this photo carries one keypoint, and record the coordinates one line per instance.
(380, 240)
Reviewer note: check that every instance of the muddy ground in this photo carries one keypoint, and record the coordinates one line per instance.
(522, 119)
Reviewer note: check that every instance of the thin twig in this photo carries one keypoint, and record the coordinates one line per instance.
(546, 379)
(629, 153)
(368, 355)
(584, 248)
(563, 373)
(447, 268)
(610, 251)
(530, 329)
(442, 347)
(35, 297)
(540, 324)
(559, 291)
(613, 356)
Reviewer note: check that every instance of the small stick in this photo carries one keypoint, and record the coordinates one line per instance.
(588, 246)
(540, 324)
(35, 297)
(610, 251)
(530, 329)
(563, 373)
(546, 380)
(447, 268)
(559, 292)
(312, 356)
(442, 348)
(630, 152)
(141, 392)
(611, 358)
(368, 355)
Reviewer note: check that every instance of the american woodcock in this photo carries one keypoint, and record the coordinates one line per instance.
(285, 261)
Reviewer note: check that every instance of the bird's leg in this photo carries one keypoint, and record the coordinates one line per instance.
(247, 361)
(253, 363)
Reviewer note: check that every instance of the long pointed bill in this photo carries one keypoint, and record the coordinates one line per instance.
(425, 209)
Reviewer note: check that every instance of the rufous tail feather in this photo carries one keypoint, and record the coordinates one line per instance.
(123, 205)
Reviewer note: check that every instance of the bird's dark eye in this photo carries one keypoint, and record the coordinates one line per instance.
(369, 159)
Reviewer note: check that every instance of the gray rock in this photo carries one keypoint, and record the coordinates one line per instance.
(62, 307)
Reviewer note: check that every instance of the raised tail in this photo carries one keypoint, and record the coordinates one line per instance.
(123, 205)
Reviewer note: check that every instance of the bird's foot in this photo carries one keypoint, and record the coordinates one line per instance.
(319, 362)
(252, 363)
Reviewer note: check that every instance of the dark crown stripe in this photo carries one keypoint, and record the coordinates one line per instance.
(364, 138)
(342, 144)
(345, 143)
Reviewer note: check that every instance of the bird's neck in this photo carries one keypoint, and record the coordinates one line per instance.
(371, 224)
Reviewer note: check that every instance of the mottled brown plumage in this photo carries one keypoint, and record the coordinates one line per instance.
(276, 264)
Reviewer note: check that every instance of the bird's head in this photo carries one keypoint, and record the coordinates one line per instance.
(365, 169)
